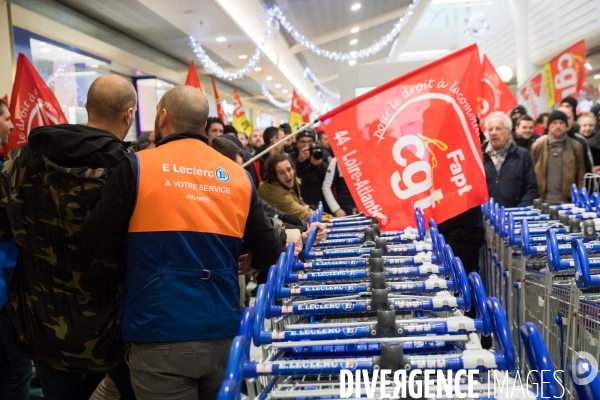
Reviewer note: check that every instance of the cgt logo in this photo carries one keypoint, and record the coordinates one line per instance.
(222, 174)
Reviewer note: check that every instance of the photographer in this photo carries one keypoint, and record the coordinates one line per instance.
(311, 167)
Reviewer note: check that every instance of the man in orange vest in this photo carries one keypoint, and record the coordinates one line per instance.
(179, 216)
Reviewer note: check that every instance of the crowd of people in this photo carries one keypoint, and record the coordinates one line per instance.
(108, 291)
(107, 286)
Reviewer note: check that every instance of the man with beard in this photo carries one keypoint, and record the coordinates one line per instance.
(255, 141)
(177, 218)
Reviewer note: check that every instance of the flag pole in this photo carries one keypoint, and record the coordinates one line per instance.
(265, 151)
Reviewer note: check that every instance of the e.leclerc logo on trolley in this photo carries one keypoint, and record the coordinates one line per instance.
(222, 174)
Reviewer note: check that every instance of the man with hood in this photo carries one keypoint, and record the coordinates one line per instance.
(62, 304)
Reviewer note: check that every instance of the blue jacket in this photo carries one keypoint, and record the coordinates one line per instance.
(515, 185)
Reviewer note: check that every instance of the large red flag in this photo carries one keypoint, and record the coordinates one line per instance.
(494, 94)
(32, 104)
(220, 111)
(564, 75)
(414, 142)
(5, 99)
(192, 77)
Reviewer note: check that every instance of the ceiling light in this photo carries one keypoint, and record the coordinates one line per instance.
(221, 39)
(355, 29)
(355, 7)
(588, 66)
(269, 78)
(353, 42)
(45, 50)
(353, 53)
(505, 73)
(352, 62)
(158, 84)
(258, 69)
(94, 66)
(278, 85)
(242, 56)
(290, 95)
(596, 76)
(463, 2)
(42, 43)
(284, 91)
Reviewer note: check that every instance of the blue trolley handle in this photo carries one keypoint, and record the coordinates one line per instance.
(505, 275)
(559, 322)
(525, 242)
(591, 390)
(479, 299)
(502, 336)
(539, 360)
(554, 263)
(583, 278)
(575, 195)
(420, 224)
(585, 199)
(517, 286)
(310, 240)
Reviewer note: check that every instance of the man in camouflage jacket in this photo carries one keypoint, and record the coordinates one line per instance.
(64, 306)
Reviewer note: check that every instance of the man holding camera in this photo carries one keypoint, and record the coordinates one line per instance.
(311, 167)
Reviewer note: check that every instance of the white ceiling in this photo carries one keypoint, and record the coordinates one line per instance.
(438, 26)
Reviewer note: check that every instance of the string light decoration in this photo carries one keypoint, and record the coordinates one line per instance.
(273, 100)
(392, 50)
(477, 24)
(275, 13)
(375, 48)
(214, 68)
(308, 73)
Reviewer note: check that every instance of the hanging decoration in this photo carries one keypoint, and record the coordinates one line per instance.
(392, 50)
(214, 68)
(279, 104)
(308, 73)
(275, 13)
(344, 57)
(477, 24)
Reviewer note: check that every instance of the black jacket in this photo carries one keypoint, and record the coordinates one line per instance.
(312, 177)
(105, 230)
(515, 185)
(594, 143)
(525, 143)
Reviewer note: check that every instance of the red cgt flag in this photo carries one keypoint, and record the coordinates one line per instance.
(494, 94)
(193, 79)
(220, 111)
(414, 142)
(564, 75)
(32, 104)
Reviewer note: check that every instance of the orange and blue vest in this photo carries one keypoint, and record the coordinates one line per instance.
(184, 241)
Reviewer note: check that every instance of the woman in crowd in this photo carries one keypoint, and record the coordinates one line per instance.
(589, 130)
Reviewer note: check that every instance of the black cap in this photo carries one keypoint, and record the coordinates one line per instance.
(554, 115)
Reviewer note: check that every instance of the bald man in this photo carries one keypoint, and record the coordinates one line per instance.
(176, 217)
(63, 305)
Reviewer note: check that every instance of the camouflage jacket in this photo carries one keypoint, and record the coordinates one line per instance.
(63, 305)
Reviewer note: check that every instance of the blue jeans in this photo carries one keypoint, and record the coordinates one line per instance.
(15, 367)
